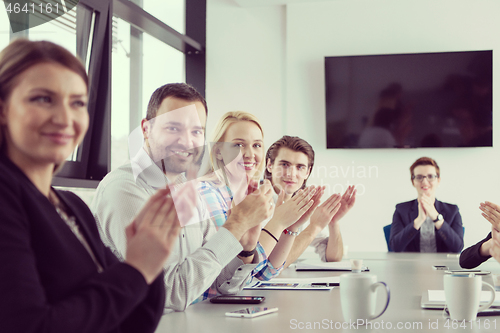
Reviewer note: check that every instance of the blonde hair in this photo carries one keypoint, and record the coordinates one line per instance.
(227, 120)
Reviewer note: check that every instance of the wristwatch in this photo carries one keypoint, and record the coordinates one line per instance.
(246, 254)
(439, 218)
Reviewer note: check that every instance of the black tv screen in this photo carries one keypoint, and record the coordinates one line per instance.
(409, 100)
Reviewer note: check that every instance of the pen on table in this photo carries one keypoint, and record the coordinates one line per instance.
(326, 284)
(488, 313)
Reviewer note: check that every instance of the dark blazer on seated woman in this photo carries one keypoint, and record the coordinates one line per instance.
(48, 280)
(472, 257)
(405, 238)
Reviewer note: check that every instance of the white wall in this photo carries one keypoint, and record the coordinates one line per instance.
(245, 64)
(270, 61)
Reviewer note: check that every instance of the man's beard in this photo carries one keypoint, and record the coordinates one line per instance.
(172, 165)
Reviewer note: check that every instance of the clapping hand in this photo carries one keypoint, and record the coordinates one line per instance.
(256, 207)
(152, 234)
(422, 214)
(495, 245)
(316, 201)
(347, 202)
(288, 212)
(323, 215)
(491, 212)
(428, 206)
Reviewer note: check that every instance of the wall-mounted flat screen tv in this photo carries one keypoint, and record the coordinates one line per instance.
(409, 100)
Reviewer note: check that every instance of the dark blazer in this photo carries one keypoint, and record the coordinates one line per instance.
(405, 238)
(48, 280)
(471, 257)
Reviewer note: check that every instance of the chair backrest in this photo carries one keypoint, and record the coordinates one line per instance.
(387, 233)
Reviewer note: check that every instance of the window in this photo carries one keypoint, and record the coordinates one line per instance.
(139, 74)
(61, 30)
(171, 12)
(91, 24)
(162, 64)
(147, 53)
(120, 99)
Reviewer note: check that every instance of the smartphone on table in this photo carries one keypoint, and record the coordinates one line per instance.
(440, 268)
(237, 299)
(254, 311)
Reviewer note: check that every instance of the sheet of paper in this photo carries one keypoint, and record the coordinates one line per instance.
(295, 283)
(324, 279)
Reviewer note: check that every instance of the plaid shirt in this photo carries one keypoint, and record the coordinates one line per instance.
(218, 202)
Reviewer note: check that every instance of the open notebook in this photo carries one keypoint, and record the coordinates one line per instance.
(317, 283)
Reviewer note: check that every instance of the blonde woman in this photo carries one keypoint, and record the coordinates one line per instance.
(237, 156)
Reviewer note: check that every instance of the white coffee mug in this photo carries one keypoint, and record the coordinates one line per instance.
(357, 296)
(463, 294)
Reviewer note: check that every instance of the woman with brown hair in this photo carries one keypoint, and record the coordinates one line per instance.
(57, 276)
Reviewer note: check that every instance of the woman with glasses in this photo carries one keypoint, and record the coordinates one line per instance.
(426, 224)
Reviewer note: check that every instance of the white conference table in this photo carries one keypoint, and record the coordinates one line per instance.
(406, 274)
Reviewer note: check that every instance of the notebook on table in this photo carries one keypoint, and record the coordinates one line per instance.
(435, 299)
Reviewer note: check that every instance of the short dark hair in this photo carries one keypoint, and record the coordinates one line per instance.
(423, 161)
(293, 143)
(178, 90)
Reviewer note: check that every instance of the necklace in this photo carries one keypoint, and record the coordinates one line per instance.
(73, 226)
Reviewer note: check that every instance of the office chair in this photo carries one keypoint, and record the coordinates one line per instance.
(387, 233)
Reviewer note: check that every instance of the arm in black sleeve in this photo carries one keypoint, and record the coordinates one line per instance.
(147, 314)
(99, 304)
(401, 235)
(471, 257)
(94, 302)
